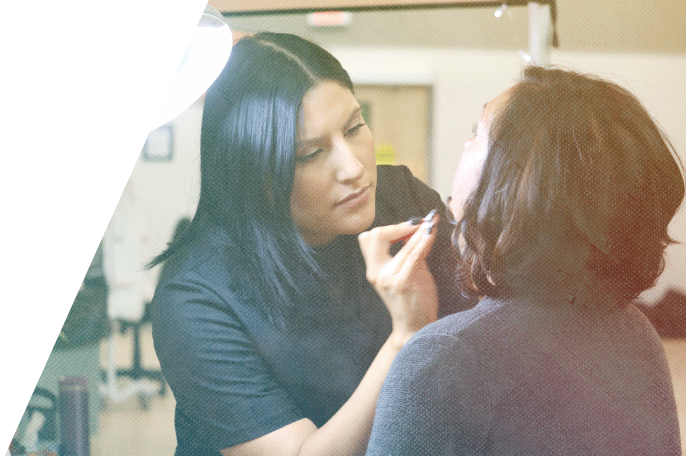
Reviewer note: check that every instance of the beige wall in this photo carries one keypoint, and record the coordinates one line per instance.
(634, 26)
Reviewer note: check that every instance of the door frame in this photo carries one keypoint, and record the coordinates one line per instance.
(356, 63)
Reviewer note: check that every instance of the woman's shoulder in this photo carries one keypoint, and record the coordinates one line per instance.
(444, 360)
(391, 176)
(202, 270)
(400, 195)
(468, 325)
(204, 254)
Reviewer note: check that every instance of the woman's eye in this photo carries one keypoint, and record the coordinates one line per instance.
(352, 131)
(309, 157)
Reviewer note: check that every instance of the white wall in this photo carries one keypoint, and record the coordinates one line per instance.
(462, 80)
(167, 191)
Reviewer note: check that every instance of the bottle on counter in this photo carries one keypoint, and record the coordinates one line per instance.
(73, 413)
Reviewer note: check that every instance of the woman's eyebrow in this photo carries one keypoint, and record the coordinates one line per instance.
(305, 142)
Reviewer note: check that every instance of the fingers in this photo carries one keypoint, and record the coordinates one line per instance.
(387, 234)
(419, 244)
(404, 281)
(375, 246)
(413, 253)
(390, 234)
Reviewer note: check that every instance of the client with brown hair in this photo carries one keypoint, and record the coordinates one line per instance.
(562, 202)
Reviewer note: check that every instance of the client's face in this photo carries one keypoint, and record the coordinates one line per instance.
(474, 155)
(335, 173)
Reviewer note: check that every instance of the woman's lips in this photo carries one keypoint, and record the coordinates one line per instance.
(356, 198)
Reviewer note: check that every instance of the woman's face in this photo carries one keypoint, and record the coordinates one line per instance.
(335, 171)
(474, 155)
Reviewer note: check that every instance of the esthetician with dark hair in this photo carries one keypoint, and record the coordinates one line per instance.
(267, 330)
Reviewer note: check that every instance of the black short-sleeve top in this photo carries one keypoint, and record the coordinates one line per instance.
(234, 375)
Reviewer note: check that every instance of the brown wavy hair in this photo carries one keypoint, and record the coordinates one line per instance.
(579, 180)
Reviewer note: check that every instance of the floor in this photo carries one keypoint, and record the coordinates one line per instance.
(130, 427)
(125, 428)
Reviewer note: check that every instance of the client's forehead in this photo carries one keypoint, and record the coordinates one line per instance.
(494, 106)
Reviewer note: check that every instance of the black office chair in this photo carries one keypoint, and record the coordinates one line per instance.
(137, 371)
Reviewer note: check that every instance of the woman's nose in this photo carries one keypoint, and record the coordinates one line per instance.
(348, 165)
(469, 142)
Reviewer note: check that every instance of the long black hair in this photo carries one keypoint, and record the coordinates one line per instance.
(248, 141)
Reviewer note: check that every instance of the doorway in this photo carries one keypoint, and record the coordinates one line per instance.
(399, 117)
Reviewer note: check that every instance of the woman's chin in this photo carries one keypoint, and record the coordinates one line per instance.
(361, 222)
